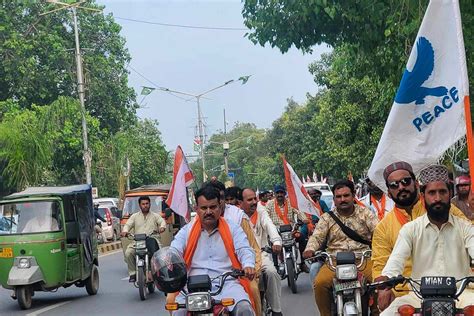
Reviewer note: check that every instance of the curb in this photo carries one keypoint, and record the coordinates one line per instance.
(105, 248)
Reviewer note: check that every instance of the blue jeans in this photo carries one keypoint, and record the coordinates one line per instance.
(313, 271)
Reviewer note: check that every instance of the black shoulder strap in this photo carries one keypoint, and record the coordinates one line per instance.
(349, 232)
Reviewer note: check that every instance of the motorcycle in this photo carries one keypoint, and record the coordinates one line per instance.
(349, 283)
(289, 268)
(142, 258)
(199, 299)
(438, 295)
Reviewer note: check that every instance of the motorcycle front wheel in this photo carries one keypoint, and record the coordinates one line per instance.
(291, 275)
(141, 283)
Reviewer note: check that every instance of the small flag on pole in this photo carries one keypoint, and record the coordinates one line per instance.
(297, 194)
(197, 144)
(315, 177)
(182, 178)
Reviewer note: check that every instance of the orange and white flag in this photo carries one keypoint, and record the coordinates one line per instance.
(297, 194)
(182, 178)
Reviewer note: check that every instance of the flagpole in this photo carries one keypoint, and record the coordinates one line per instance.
(470, 147)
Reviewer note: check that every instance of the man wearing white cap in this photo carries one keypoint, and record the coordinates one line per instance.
(432, 241)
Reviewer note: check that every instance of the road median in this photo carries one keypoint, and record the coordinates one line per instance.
(109, 247)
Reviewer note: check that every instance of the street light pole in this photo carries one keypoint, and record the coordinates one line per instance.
(201, 140)
(80, 90)
(226, 147)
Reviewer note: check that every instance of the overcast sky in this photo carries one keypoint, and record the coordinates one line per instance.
(195, 60)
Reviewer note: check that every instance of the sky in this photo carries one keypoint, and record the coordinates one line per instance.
(196, 60)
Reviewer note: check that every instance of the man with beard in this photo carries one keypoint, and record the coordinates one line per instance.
(403, 189)
(438, 243)
(461, 200)
(377, 200)
(359, 219)
(234, 214)
(265, 230)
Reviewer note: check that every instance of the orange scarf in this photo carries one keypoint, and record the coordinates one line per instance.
(402, 219)
(253, 218)
(310, 224)
(283, 217)
(226, 236)
(380, 208)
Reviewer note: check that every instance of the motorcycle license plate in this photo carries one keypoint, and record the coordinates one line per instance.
(346, 285)
(6, 252)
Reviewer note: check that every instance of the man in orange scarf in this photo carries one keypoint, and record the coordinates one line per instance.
(210, 245)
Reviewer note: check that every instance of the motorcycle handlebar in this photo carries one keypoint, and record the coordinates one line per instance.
(223, 277)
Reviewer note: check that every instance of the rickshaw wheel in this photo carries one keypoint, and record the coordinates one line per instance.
(92, 282)
(23, 295)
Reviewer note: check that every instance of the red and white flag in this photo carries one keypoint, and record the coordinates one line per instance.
(297, 194)
(182, 178)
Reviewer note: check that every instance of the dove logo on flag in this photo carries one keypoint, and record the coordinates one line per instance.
(413, 89)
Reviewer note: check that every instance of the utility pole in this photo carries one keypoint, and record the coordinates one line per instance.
(87, 155)
(201, 139)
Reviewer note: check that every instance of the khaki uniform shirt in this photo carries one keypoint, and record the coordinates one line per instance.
(291, 213)
(362, 221)
(140, 224)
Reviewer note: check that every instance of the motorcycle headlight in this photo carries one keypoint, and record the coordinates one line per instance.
(198, 302)
(286, 236)
(140, 244)
(24, 263)
(346, 272)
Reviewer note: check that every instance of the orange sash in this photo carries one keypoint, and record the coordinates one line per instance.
(283, 217)
(253, 218)
(380, 208)
(226, 236)
(402, 219)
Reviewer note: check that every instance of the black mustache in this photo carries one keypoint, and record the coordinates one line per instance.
(403, 191)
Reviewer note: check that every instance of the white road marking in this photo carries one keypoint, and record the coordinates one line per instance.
(47, 308)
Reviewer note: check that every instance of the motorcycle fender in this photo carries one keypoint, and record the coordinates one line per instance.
(350, 308)
(288, 254)
(140, 263)
(19, 276)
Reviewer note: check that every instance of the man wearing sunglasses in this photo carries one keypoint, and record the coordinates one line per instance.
(403, 189)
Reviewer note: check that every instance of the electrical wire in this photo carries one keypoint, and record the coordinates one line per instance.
(184, 26)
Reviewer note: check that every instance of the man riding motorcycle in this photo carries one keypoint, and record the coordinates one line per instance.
(403, 189)
(327, 231)
(143, 222)
(211, 245)
(438, 243)
(264, 229)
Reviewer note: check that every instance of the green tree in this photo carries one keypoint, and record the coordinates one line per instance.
(37, 63)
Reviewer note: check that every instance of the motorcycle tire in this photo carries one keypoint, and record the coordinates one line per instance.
(151, 287)
(141, 283)
(291, 275)
(92, 282)
(23, 295)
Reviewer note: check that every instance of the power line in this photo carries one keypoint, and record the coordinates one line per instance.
(184, 26)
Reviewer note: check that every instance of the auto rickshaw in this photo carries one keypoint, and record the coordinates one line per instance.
(48, 241)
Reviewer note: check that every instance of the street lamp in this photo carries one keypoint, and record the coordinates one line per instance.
(198, 97)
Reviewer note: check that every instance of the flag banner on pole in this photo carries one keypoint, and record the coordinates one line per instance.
(297, 194)
(147, 90)
(427, 115)
(182, 178)
(315, 177)
(197, 144)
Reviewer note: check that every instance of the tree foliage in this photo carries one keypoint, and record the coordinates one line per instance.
(37, 63)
